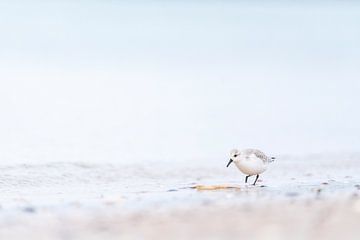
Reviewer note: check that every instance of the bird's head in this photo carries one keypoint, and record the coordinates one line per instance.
(233, 156)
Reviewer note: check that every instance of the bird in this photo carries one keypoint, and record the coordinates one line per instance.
(250, 161)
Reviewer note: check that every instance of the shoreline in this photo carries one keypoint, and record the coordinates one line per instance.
(302, 199)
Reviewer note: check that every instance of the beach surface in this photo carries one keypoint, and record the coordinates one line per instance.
(307, 197)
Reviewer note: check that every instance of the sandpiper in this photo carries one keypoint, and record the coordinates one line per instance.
(250, 162)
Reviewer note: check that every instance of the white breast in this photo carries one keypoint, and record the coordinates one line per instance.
(251, 165)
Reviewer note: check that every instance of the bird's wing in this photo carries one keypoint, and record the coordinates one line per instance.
(259, 154)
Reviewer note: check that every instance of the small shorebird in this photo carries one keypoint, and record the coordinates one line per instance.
(250, 162)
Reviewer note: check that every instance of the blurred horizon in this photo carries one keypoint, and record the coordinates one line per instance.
(119, 81)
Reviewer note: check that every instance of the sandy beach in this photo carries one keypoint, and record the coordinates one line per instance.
(293, 219)
(295, 199)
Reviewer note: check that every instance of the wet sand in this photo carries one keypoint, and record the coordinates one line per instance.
(309, 197)
(291, 219)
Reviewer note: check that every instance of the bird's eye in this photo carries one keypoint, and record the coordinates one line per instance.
(235, 155)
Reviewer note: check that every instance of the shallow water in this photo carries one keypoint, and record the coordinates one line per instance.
(144, 186)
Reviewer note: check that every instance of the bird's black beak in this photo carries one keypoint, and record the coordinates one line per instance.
(229, 162)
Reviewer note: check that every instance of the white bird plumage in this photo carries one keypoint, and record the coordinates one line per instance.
(250, 162)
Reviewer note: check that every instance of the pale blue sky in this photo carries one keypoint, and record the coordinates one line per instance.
(112, 81)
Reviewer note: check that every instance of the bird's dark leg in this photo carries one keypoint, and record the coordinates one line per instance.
(257, 176)
(246, 178)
